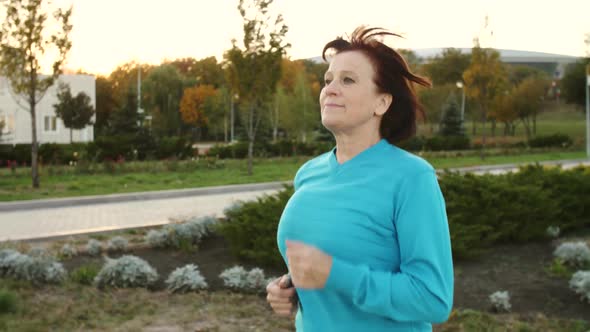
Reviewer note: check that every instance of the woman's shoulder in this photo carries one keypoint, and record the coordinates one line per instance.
(406, 162)
(318, 161)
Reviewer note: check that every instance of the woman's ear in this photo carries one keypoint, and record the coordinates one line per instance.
(385, 100)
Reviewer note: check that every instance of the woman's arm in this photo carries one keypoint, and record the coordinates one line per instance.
(423, 288)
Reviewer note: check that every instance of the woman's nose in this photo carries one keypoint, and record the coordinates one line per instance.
(331, 88)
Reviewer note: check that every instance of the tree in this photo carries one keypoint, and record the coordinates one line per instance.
(75, 112)
(194, 103)
(574, 82)
(527, 99)
(124, 79)
(448, 67)
(24, 41)
(255, 70)
(451, 124)
(161, 93)
(505, 112)
(433, 100)
(106, 104)
(204, 71)
(484, 79)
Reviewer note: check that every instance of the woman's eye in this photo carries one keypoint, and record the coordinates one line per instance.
(348, 80)
(327, 82)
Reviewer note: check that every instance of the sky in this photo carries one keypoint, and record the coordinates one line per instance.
(108, 33)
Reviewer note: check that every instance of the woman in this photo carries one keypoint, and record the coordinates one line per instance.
(365, 235)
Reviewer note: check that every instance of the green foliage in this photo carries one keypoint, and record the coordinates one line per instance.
(452, 124)
(185, 279)
(25, 40)
(251, 229)
(37, 270)
(448, 67)
(573, 82)
(282, 148)
(85, 274)
(559, 269)
(518, 207)
(126, 272)
(185, 236)
(555, 140)
(255, 70)
(75, 112)
(8, 301)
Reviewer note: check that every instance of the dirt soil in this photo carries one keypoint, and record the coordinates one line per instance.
(519, 269)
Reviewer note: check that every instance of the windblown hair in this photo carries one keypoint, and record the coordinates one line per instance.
(392, 76)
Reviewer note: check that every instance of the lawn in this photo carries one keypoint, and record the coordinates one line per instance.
(100, 179)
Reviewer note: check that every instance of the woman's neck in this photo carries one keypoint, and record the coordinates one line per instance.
(347, 147)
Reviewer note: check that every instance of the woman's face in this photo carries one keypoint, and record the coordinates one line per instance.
(349, 100)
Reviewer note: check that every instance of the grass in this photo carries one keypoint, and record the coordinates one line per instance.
(554, 119)
(73, 307)
(67, 181)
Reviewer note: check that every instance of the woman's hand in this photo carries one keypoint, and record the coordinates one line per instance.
(309, 266)
(281, 296)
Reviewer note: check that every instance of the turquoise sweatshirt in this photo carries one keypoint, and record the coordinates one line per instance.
(382, 218)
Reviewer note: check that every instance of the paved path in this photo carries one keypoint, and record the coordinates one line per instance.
(48, 218)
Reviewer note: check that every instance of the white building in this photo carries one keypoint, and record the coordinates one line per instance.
(50, 129)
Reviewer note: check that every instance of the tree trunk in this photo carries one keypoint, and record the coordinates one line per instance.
(250, 139)
(71, 134)
(483, 135)
(535, 123)
(275, 129)
(225, 128)
(34, 147)
(493, 128)
(527, 128)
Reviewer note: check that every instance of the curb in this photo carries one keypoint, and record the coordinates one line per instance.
(140, 196)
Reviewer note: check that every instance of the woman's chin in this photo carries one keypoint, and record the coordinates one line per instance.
(331, 124)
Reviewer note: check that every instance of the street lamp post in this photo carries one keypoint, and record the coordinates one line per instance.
(586, 87)
(233, 97)
(460, 86)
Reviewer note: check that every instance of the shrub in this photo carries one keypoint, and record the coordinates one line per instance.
(573, 253)
(184, 279)
(251, 229)
(181, 235)
(255, 279)
(238, 278)
(126, 271)
(8, 301)
(580, 283)
(118, 243)
(555, 140)
(38, 252)
(500, 301)
(94, 247)
(234, 277)
(68, 251)
(156, 238)
(85, 274)
(37, 270)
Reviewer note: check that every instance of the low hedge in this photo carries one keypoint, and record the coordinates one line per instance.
(128, 147)
(482, 210)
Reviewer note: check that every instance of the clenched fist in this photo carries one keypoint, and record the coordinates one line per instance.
(281, 296)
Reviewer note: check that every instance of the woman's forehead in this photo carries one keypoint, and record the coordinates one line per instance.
(350, 61)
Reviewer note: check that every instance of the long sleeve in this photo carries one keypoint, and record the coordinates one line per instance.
(422, 289)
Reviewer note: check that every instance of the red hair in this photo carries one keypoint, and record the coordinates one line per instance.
(392, 76)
